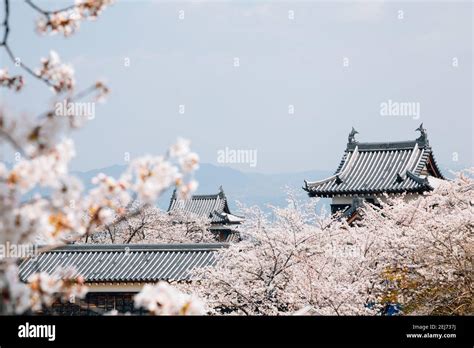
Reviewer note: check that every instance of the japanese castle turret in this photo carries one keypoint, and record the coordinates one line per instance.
(215, 207)
(367, 171)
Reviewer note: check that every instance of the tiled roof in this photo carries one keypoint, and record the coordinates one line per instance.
(214, 207)
(391, 167)
(125, 262)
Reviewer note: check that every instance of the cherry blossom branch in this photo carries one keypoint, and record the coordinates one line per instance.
(9, 51)
(12, 142)
(48, 12)
(5, 22)
(65, 20)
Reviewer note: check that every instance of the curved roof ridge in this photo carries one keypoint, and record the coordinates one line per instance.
(135, 247)
(385, 145)
(344, 168)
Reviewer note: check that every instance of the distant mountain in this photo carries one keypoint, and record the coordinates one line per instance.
(248, 188)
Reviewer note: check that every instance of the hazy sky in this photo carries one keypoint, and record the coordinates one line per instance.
(290, 53)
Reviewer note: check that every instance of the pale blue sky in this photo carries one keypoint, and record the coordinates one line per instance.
(282, 62)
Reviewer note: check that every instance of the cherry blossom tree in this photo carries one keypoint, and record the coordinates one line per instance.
(412, 254)
(258, 276)
(152, 225)
(430, 270)
(40, 201)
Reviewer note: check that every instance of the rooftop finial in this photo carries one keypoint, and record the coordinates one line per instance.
(352, 134)
(221, 190)
(423, 138)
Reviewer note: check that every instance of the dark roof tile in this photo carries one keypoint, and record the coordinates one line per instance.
(125, 262)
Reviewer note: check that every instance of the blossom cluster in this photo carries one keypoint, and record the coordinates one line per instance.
(145, 181)
(67, 22)
(14, 82)
(60, 75)
(164, 299)
(40, 291)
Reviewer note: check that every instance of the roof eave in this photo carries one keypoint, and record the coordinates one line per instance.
(330, 194)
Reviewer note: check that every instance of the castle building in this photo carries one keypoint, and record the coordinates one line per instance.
(369, 170)
(215, 207)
